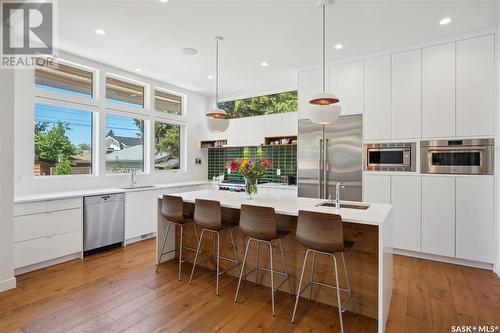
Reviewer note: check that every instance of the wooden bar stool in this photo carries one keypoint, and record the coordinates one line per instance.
(208, 215)
(172, 208)
(323, 234)
(259, 224)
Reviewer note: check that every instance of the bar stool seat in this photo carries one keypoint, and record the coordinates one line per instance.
(323, 234)
(172, 209)
(259, 225)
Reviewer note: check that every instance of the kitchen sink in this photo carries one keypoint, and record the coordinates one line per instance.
(343, 205)
(136, 187)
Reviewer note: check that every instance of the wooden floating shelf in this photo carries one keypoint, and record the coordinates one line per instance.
(213, 144)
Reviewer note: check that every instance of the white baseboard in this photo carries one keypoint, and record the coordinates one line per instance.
(456, 261)
(140, 238)
(8, 284)
(40, 265)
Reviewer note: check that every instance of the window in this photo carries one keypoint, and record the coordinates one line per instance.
(167, 146)
(261, 105)
(64, 78)
(124, 93)
(167, 102)
(124, 143)
(63, 141)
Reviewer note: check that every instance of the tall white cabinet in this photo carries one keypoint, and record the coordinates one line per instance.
(476, 86)
(438, 91)
(405, 199)
(346, 81)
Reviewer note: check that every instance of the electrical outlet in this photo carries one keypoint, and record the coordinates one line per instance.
(278, 172)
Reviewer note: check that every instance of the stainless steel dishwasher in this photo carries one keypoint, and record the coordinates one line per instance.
(103, 222)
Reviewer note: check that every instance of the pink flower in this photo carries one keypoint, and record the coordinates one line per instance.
(233, 165)
(266, 164)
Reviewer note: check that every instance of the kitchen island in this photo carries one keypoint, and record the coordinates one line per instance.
(370, 259)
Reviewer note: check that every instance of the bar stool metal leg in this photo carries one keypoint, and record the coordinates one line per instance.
(196, 256)
(234, 244)
(217, 240)
(272, 273)
(312, 275)
(242, 270)
(257, 267)
(344, 259)
(299, 289)
(163, 247)
(180, 250)
(284, 264)
(338, 293)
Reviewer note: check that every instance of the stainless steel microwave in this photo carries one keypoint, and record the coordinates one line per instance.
(468, 156)
(389, 156)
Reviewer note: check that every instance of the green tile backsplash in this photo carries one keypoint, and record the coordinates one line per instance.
(283, 157)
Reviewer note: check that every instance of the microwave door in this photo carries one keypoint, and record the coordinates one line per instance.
(386, 157)
(460, 161)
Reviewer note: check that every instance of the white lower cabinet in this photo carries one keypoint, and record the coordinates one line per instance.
(438, 215)
(405, 198)
(138, 214)
(377, 189)
(475, 218)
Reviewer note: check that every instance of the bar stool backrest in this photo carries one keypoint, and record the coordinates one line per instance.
(320, 231)
(258, 222)
(207, 213)
(172, 208)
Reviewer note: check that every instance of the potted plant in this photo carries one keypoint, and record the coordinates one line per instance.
(251, 171)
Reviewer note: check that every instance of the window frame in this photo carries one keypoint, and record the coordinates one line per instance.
(110, 105)
(167, 114)
(68, 97)
(94, 123)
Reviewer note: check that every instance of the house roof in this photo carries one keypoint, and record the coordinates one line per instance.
(126, 141)
(132, 154)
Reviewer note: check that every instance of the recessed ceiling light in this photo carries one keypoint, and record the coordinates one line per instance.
(338, 46)
(264, 64)
(100, 32)
(163, 1)
(445, 21)
(189, 51)
(138, 70)
(210, 77)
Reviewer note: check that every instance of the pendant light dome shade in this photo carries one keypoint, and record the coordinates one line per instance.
(324, 114)
(324, 99)
(217, 125)
(216, 113)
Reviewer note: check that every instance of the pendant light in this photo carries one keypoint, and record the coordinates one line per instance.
(216, 118)
(323, 109)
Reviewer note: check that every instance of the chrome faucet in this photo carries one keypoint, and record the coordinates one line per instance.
(337, 194)
(133, 172)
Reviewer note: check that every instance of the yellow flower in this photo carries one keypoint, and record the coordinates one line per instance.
(244, 163)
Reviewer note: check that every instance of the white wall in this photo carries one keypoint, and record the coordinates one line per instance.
(497, 154)
(27, 183)
(7, 279)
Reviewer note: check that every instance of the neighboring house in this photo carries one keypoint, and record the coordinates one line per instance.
(114, 143)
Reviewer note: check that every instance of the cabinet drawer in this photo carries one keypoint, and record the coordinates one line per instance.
(45, 224)
(46, 206)
(42, 249)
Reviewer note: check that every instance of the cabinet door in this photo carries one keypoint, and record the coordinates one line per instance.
(346, 82)
(438, 91)
(377, 98)
(138, 214)
(438, 215)
(310, 84)
(475, 86)
(405, 199)
(377, 189)
(475, 218)
(406, 94)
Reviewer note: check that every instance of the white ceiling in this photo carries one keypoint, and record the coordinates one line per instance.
(150, 35)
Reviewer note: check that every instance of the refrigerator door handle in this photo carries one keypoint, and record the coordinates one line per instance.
(325, 169)
(320, 169)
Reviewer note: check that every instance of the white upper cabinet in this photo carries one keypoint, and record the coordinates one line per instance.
(377, 98)
(475, 86)
(310, 84)
(406, 94)
(438, 215)
(346, 82)
(475, 218)
(406, 208)
(438, 90)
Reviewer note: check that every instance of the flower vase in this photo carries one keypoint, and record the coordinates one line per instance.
(250, 187)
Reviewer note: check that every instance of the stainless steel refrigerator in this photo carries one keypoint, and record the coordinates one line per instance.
(328, 154)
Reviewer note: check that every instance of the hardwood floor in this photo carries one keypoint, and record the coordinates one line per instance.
(119, 291)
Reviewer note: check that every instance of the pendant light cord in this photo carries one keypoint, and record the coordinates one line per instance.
(216, 72)
(324, 48)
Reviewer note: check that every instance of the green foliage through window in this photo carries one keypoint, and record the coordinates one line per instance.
(261, 105)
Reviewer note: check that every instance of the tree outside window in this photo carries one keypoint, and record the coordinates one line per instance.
(167, 146)
(261, 105)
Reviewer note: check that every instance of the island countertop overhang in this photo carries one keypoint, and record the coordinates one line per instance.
(376, 214)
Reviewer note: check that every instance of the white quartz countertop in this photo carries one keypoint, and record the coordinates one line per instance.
(278, 186)
(100, 191)
(376, 214)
